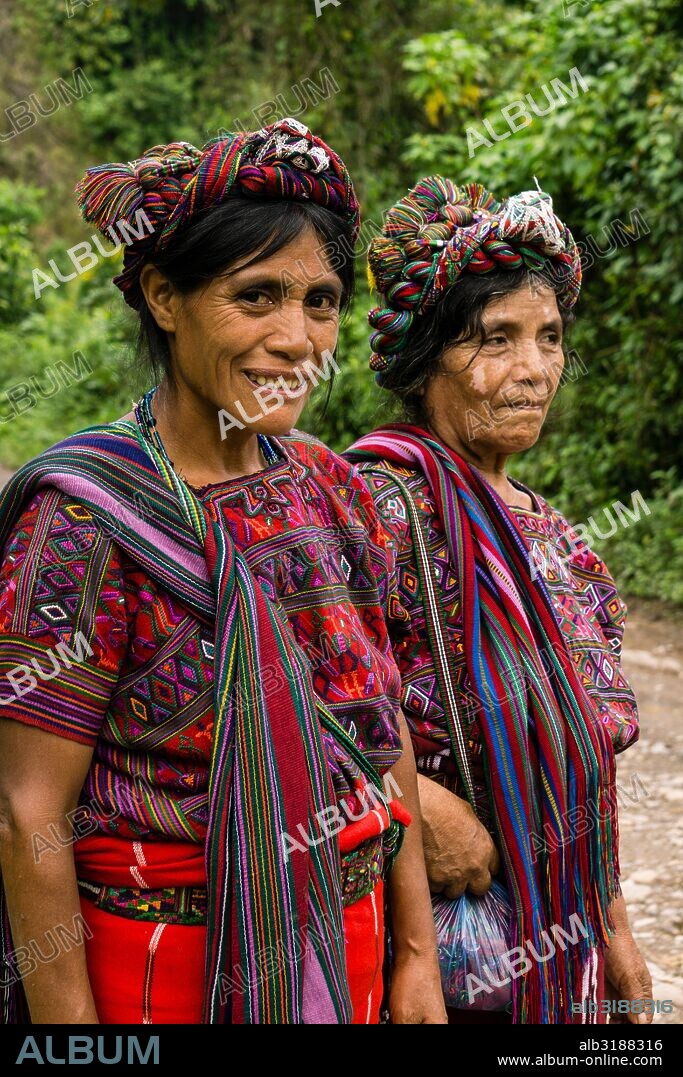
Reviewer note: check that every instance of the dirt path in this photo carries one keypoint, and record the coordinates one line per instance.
(650, 784)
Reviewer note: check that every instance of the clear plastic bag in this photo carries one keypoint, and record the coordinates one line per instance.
(472, 935)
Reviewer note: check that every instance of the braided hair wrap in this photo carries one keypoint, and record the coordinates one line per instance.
(160, 193)
(440, 231)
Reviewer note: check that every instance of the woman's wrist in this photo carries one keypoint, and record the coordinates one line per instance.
(409, 950)
(619, 916)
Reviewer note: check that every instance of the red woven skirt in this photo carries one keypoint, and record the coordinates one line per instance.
(147, 973)
(144, 973)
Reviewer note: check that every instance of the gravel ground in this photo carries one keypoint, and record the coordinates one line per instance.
(650, 785)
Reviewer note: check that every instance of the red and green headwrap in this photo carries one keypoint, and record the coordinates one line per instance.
(172, 184)
(440, 231)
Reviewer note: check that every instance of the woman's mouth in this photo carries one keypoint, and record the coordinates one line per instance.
(526, 405)
(283, 382)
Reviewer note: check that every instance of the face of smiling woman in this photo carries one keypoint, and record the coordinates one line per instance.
(491, 396)
(259, 326)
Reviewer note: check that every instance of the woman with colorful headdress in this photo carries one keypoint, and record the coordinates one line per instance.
(512, 682)
(199, 702)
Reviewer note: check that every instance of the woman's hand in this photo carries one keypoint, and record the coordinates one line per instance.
(458, 849)
(626, 974)
(415, 997)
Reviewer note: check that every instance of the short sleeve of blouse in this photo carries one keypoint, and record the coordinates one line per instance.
(63, 628)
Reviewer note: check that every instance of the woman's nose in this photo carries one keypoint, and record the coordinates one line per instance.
(530, 364)
(290, 337)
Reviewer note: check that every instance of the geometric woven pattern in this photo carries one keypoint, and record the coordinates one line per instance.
(590, 613)
(143, 698)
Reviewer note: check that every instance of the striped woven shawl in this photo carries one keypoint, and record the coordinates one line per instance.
(547, 757)
(275, 949)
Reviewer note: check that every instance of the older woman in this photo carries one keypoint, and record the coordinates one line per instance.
(194, 647)
(512, 684)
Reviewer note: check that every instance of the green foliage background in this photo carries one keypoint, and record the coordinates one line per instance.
(410, 80)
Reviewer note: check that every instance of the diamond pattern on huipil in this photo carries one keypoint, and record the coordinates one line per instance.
(143, 699)
(587, 604)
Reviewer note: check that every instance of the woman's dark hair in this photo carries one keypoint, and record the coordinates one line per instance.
(456, 319)
(229, 233)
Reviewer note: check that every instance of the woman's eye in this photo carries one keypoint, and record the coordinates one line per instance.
(323, 301)
(256, 297)
(496, 339)
(552, 338)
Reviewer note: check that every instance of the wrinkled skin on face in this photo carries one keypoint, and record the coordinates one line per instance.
(491, 396)
(248, 345)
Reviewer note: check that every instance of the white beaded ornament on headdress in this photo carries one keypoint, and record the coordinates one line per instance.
(529, 216)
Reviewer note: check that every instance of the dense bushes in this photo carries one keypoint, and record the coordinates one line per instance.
(405, 84)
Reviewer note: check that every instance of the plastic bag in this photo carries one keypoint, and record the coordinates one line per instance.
(472, 935)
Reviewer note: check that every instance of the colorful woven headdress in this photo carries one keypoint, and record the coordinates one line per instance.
(172, 184)
(440, 231)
